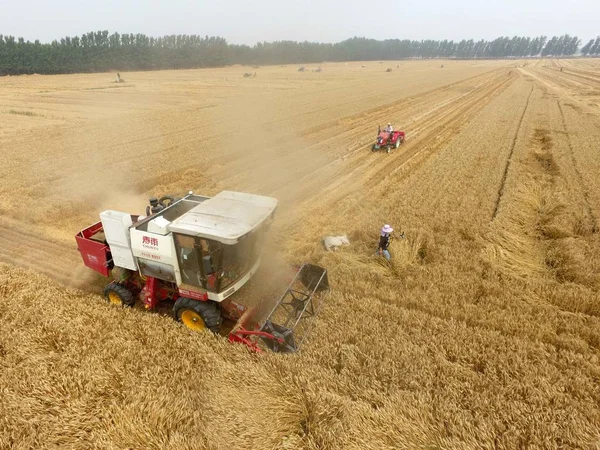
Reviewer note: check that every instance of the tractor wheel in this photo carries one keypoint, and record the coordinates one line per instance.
(388, 150)
(197, 315)
(119, 295)
(398, 142)
(374, 148)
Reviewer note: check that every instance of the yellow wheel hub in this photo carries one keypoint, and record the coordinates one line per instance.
(114, 298)
(193, 320)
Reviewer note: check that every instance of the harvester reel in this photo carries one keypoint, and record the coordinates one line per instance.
(290, 321)
(284, 338)
(296, 310)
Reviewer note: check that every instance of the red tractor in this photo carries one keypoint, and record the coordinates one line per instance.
(388, 140)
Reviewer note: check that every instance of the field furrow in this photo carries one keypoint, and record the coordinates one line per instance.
(510, 154)
(591, 215)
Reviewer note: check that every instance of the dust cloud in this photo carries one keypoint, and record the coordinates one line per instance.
(265, 152)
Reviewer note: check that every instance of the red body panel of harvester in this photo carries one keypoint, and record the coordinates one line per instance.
(94, 250)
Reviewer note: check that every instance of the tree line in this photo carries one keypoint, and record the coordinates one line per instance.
(100, 51)
(592, 48)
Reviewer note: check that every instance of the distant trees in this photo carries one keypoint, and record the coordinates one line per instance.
(101, 51)
(561, 46)
(592, 48)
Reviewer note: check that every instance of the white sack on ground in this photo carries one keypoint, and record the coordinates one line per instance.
(332, 243)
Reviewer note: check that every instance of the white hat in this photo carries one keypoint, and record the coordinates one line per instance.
(387, 229)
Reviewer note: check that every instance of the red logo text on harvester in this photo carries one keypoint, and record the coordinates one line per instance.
(149, 242)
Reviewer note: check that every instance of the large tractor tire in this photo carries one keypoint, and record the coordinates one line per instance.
(398, 141)
(118, 295)
(198, 316)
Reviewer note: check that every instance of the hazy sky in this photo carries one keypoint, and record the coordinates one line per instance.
(249, 21)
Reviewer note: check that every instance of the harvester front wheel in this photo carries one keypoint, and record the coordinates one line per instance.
(119, 295)
(198, 316)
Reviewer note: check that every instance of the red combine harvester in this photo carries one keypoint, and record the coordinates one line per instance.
(196, 252)
(388, 140)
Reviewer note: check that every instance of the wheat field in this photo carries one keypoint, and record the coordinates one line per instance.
(482, 332)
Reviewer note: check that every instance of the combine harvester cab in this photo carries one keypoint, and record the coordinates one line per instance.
(197, 252)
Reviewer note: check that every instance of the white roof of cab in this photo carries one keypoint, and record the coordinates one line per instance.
(225, 217)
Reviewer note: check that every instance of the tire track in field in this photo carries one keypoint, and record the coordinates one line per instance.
(352, 131)
(359, 123)
(510, 154)
(586, 193)
(572, 73)
(594, 75)
(427, 119)
(563, 84)
(564, 90)
(421, 97)
(363, 171)
(443, 126)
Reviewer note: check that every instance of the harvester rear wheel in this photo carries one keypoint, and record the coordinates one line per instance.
(119, 295)
(198, 316)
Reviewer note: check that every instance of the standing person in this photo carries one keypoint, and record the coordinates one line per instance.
(384, 242)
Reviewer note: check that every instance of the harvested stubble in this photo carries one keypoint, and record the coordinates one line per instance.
(480, 333)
